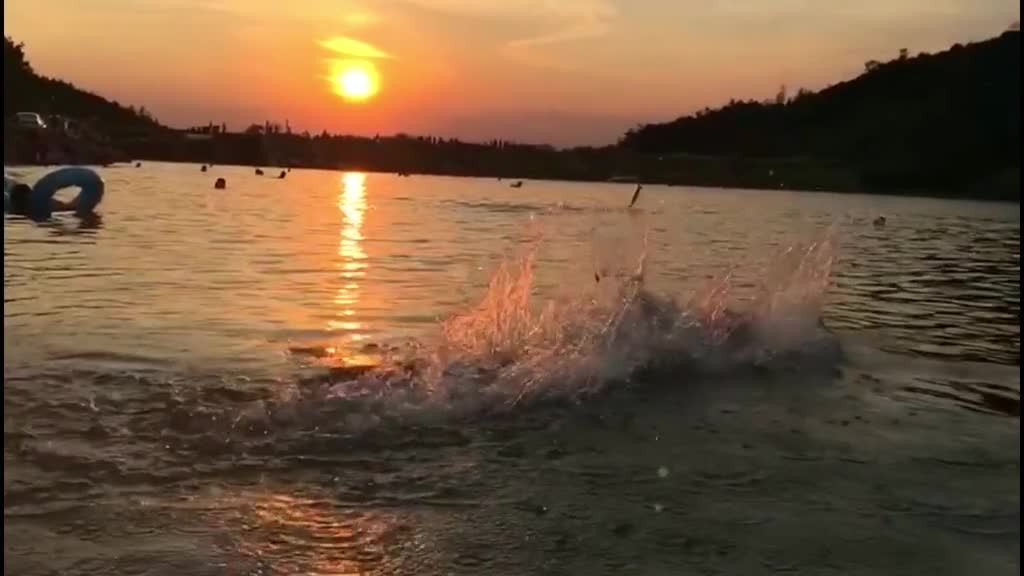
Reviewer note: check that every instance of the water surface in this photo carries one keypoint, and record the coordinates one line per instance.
(168, 409)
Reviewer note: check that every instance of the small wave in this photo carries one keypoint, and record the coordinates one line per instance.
(512, 350)
(535, 208)
(497, 207)
(511, 354)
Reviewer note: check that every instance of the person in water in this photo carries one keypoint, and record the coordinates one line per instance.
(20, 201)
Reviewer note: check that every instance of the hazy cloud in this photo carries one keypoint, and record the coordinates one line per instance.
(346, 46)
(556, 127)
(569, 20)
(359, 18)
(867, 10)
(555, 21)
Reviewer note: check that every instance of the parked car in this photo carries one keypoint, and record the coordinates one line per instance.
(29, 121)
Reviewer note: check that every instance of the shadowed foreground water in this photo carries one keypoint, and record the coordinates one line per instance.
(167, 409)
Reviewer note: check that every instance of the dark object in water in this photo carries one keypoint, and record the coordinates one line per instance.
(348, 373)
(19, 195)
(636, 194)
(880, 221)
(138, 164)
(314, 351)
(220, 184)
(622, 529)
(282, 174)
(203, 169)
(259, 172)
(517, 184)
(38, 201)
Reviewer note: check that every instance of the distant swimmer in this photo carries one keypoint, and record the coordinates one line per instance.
(282, 174)
(138, 164)
(220, 184)
(203, 169)
(259, 172)
(517, 184)
(880, 221)
(636, 195)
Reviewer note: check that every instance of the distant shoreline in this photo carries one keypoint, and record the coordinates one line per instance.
(623, 183)
(906, 127)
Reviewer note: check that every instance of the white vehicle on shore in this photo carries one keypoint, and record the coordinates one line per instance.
(29, 121)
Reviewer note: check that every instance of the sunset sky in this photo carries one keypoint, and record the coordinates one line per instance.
(556, 71)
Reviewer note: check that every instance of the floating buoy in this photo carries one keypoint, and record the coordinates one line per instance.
(37, 201)
(220, 184)
(88, 182)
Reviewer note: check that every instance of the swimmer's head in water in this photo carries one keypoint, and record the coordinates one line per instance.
(20, 194)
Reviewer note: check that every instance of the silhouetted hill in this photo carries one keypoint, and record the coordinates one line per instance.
(946, 122)
(27, 91)
(941, 124)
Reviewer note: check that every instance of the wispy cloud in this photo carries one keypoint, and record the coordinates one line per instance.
(351, 47)
(348, 13)
(552, 21)
(360, 18)
(569, 20)
(848, 11)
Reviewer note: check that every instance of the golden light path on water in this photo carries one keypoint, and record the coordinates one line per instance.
(352, 258)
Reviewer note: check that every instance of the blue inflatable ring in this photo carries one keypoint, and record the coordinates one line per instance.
(88, 181)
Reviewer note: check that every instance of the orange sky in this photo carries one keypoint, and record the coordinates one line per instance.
(557, 71)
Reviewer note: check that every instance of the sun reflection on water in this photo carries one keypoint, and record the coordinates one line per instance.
(292, 534)
(352, 263)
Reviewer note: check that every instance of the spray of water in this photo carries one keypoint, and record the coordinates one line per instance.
(511, 348)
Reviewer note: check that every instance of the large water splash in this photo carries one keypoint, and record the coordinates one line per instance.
(514, 348)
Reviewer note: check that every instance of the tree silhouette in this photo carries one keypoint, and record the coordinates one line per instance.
(942, 122)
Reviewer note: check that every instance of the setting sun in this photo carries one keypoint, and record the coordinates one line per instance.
(355, 81)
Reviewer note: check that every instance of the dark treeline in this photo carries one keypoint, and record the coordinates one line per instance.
(946, 123)
(27, 91)
(399, 153)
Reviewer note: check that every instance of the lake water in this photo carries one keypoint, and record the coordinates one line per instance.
(346, 373)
